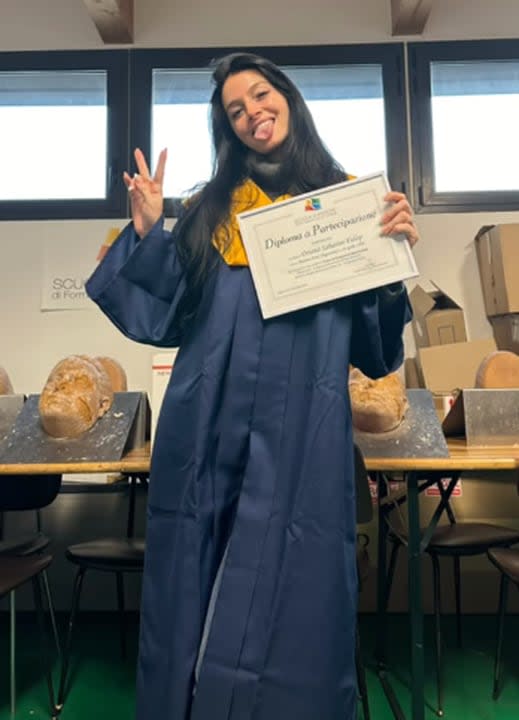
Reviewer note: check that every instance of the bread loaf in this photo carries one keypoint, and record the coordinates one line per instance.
(77, 393)
(115, 372)
(106, 394)
(500, 369)
(377, 406)
(5, 384)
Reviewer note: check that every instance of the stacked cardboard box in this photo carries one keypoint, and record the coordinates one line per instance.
(437, 318)
(445, 360)
(497, 248)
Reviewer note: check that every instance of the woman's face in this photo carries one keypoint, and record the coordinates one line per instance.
(258, 113)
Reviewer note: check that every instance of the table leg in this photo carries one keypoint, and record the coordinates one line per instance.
(132, 479)
(415, 599)
(381, 643)
(382, 616)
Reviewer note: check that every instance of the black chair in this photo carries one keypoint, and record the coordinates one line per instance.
(506, 561)
(28, 493)
(364, 515)
(455, 540)
(111, 554)
(15, 571)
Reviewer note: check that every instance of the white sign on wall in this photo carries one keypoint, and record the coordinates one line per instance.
(66, 268)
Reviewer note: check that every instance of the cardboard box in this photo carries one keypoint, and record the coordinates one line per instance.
(506, 331)
(161, 368)
(443, 403)
(437, 318)
(450, 367)
(412, 374)
(497, 248)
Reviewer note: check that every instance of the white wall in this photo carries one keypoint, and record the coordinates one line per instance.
(64, 24)
(34, 341)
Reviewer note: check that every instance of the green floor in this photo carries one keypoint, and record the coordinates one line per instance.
(102, 686)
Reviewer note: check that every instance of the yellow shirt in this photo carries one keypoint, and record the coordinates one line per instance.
(227, 237)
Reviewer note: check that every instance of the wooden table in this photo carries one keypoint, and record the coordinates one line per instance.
(460, 458)
(418, 474)
(135, 466)
(134, 462)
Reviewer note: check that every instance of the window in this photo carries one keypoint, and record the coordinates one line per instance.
(64, 134)
(347, 105)
(465, 101)
(180, 122)
(353, 92)
(70, 120)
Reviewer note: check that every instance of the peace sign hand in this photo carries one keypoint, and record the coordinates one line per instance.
(146, 196)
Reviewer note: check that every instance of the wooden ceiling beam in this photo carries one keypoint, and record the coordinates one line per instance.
(113, 19)
(409, 17)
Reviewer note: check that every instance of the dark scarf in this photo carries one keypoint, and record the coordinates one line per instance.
(271, 173)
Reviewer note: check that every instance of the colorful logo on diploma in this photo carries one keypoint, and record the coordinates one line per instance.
(312, 204)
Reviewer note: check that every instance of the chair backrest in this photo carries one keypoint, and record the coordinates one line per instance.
(364, 504)
(27, 492)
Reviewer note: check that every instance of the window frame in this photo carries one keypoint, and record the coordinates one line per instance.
(115, 62)
(420, 57)
(389, 55)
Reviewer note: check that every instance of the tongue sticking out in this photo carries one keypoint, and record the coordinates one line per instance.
(263, 131)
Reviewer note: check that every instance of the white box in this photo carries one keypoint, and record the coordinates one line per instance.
(161, 367)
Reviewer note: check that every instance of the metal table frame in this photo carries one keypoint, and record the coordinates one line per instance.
(419, 474)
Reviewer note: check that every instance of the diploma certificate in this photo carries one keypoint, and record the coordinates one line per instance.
(323, 245)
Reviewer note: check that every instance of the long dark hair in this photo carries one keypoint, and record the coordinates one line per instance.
(311, 165)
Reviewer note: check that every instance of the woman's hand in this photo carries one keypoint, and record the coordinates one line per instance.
(145, 192)
(398, 218)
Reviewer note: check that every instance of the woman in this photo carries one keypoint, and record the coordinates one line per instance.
(249, 593)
